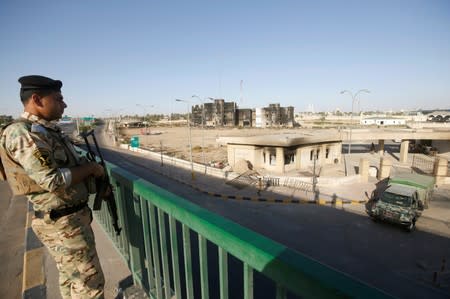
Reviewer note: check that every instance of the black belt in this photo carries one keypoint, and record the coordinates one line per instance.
(56, 214)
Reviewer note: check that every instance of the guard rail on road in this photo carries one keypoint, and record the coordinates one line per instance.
(158, 228)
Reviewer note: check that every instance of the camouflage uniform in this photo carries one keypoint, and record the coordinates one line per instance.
(36, 157)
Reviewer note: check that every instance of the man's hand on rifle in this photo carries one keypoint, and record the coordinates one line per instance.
(81, 172)
(107, 192)
(96, 169)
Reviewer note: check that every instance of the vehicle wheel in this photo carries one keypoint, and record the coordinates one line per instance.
(410, 227)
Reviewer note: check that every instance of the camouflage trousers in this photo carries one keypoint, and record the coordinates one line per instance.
(70, 241)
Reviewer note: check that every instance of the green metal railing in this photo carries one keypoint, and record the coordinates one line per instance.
(156, 242)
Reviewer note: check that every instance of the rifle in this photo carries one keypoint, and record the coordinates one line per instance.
(104, 187)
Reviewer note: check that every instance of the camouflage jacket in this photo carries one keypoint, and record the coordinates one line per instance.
(36, 155)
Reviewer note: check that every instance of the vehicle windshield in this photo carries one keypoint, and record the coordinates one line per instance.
(396, 199)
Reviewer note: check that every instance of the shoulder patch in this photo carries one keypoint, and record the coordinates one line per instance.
(43, 155)
(38, 128)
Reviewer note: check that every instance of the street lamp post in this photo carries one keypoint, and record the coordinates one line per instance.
(114, 122)
(190, 138)
(354, 98)
(203, 129)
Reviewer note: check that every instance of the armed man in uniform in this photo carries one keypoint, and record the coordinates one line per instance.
(41, 162)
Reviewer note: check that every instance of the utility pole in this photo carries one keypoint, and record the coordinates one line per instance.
(354, 98)
(189, 136)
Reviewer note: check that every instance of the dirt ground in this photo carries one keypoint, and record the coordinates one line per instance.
(174, 141)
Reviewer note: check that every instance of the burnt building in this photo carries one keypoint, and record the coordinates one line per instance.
(226, 114)
(274, 116)
(216, 114)
(196, 116)
(244, 117)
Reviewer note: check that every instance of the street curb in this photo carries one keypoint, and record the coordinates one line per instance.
(33, 283)
(336, 203)
(284, 200)
(434, 219)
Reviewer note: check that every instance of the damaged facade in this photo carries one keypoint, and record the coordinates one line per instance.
(226, 114)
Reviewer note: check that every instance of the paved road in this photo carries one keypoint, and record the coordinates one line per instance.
(382, 255)
(12, 234)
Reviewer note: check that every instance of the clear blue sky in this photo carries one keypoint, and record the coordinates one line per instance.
(112, 55)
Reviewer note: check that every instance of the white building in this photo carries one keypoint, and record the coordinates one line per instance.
(284, 152)
(383, 121)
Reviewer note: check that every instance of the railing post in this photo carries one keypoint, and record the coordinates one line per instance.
(248, 281)
(203, 267)
(223, 273)
(147, 244)
(281, 292)
(188, 262)
(165, 260)
(155, 249)
(136, 246)
(175, 261)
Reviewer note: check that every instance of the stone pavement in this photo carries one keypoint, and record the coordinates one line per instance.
(12, 223)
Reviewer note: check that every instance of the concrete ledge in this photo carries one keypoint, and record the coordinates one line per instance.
(33, 275)
(33, 283)
(288, 200)
(36, 292)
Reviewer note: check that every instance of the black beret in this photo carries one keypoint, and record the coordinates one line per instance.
(36, 82)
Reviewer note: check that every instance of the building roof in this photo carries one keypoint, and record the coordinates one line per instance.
(384, 118)
(283, 140)
(443, 113)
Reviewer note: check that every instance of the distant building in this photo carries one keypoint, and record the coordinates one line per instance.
(245, 117)
(226, 114)
(439, 116)
(133, 124)
(216, 114)
(197, 112)
(383, 121)
(274, 116)
(284, 153)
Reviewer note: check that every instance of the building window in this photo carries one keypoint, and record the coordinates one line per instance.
(273, 159)
(317, 154)
(289, 158)
(311, 155)
(327, 153)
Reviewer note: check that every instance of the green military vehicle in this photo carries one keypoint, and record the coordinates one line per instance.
(401, 200)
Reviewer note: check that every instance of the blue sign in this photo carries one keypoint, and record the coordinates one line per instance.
(134, 141)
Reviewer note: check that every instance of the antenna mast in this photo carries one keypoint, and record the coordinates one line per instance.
(241, 98)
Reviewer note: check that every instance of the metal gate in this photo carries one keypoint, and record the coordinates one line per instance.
(423, 164)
